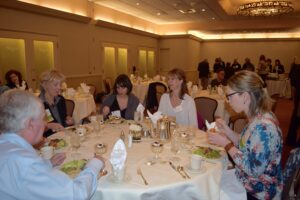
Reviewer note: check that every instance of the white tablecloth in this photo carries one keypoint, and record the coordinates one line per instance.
(164, 182)
(281, 87)
(84, 106)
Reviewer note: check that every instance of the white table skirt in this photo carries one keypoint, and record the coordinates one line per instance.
(281, 87)
(164, 182)
(84, 106)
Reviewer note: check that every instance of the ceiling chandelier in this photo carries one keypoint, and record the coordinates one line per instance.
(265, 8)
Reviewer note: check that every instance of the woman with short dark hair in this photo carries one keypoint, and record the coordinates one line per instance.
(121, 102)
(14, 80)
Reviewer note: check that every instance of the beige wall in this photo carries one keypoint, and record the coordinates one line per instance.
(228, 50)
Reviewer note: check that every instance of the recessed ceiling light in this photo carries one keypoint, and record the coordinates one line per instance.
(137, 3)
(213, 18)
(158, 13)
(203, 10)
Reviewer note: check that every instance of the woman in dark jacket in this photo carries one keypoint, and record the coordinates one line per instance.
(14, 80)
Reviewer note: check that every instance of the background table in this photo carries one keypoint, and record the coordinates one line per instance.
(281, 87)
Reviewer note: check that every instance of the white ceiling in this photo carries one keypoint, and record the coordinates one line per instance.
(219, 15)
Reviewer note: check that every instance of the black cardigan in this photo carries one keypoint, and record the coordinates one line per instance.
(62, 111)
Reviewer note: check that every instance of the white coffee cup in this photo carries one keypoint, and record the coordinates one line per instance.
(47, 152)
(196, 162)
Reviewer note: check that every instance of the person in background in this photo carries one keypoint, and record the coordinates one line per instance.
(203, 69)
(229, 71)
(55, 104)
(121, 102)
(292, 139)
(269, 65)
(236, 65)
(262, 68)
(278, 67)
(177, 102)
(26, 175)
(14, 80)
(220, 79)
(3, 88)
(257, 150)
(248, 65)
(218, 64)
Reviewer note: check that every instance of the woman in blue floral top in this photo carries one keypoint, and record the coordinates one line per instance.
(257, 150)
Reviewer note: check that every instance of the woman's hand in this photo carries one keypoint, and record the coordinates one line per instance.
(105, 110)
(69, 121)
(58, 159)
(55, 126)
(222, 126)
(217, 138)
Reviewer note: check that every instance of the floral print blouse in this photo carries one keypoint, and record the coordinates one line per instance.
(258, 161)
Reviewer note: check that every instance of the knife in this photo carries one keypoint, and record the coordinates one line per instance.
(173, 167)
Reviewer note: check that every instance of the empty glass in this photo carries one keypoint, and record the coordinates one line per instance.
(75, 143)
(157, 148)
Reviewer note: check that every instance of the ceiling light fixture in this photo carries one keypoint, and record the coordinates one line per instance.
(188, 11)
(265, 8)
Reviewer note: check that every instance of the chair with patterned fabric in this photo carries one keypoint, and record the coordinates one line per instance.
(70, 105)
(206, 107)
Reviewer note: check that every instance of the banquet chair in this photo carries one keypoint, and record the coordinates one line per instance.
(155, 91)
(70, 105)
(206, 107)
(291, 176)
(238, 122)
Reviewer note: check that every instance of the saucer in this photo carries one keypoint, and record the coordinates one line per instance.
(195, 171)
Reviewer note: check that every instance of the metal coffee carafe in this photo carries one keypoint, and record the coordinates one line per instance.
(164, 128)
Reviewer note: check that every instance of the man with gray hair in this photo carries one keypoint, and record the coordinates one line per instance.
(26, 175)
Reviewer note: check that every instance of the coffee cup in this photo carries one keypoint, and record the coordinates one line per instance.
(47, 152)
(196, 162)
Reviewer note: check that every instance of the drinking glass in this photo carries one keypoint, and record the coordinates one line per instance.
(157, 148)
(175, 146)
(75, 143)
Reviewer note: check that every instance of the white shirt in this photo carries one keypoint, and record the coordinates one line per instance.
(185, 113)
(26, 175)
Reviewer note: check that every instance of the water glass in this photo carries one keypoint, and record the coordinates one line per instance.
(157, 148)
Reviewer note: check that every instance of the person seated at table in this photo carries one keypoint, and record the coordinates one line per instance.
(177, 102)
(121, 102)
(278, 67)
(3, 88)
(14, 80)
(257, 151)
(26, 175)
(220, 79)
(54, 103)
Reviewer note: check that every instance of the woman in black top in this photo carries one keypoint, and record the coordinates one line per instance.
(121, 102)
(14, 80)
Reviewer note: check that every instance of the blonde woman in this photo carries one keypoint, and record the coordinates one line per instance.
(54, 103)
(257, 151)
(177, 102)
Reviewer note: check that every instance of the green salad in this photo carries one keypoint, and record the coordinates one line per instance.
(207, 152)
(72, 168)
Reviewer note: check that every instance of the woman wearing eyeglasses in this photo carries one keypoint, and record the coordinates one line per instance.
(256, 151)
(121, 102)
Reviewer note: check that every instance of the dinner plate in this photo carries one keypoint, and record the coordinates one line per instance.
(195, 171)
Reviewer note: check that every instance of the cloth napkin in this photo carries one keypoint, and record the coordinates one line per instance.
(154, 117)
(118, 155)
(189, 85)
(85, 88)
(64, 86)
(211, 125)
(163, 78)
(22, 86)
(156, 78)
(195, 88)
(70, 92)
(146, 76)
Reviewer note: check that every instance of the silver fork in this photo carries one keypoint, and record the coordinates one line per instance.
(139, 172)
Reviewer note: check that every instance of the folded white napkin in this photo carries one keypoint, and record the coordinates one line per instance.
(132, 76)
(85, 88)
(154, 117)
(70, 92)
(195, 88)
(156, 78)
(189, 85)
(163, 78)
(140, 108)
(118, 155)
(64, 86)
(146, 76)
(22, 86)
(211, 125)
(220, 90)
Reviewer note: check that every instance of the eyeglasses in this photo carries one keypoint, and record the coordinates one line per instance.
(229, 95)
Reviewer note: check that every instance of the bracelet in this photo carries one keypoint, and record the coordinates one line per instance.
(228, 146)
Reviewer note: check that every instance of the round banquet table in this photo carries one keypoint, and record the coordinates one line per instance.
(164, 182)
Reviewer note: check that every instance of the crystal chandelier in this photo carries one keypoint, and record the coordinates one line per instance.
(265, 8)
